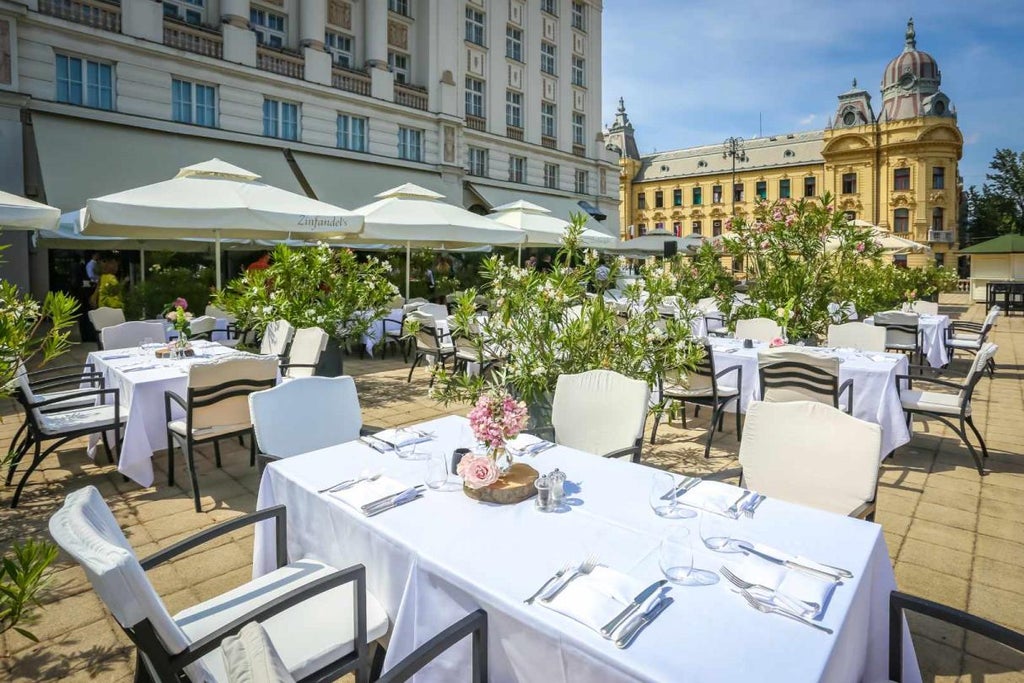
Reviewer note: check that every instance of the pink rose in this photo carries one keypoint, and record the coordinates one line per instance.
(777, 342)
(478, 471)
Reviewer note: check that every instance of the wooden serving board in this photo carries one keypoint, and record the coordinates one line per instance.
(168, 353)
(515, 487)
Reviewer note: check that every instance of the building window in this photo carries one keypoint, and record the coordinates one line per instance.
(268, 26)
(547, 119)
(579, 16)
(849, 183)
(579, 129)
(761, 188)
(737, 264)
(514, 109)
(193, 103)
(410, 144)
(189, 11)
(475, 22)
(716, 228)
(737, 192)
(582, 181)
(899, 260)
(514, 43)
(399, 7)
(641, 200)
(517, 169)
(659, 226)
(339, 46)
(399, 64)
(85, 82)
(900, 179)
(850, 216)
(937, 219)
(352, 133)
(901, 220)
(579, 71)
(474, 97)
(549, 6)
(551, 176)
(477, 161)
(696, 228)
(659, 199)
(548, 58)
(940, 260)
(697, 198)
(716, 194)
(784, 188)
(677, 197)
(809, 186)
(677, 228)
(939, 178)
(280, 119)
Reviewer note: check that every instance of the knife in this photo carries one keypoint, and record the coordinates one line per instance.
(632, 607)
(687, 484)
(646, 618)
(402, 499)
(375, 445)
(387, 500)
(734, 509)
(836, 574)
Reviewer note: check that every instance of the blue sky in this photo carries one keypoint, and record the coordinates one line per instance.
(696, 71)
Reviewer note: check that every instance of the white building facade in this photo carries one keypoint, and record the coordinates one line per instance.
(485, 101)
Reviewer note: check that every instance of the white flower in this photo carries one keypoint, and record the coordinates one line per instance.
(267, 310)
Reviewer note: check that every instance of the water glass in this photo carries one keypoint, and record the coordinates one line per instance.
(144, 345)
(663, 494)
(717, 532)
(676, 555)
(436, 476)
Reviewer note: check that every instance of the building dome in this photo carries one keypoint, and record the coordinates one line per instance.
(910, 84)
(912, 64)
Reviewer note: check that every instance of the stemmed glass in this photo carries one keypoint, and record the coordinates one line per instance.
(144, 345)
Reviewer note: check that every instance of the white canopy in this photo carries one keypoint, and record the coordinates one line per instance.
(19, 213)
(653, 244)
(541, 228)
(891, 242)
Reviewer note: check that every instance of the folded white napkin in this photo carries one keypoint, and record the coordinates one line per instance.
(712, 496)
(526, 444)
(806, 590)
(400, 438)
(596, 598)
(880, 358)
(369, 491)
(116, 356)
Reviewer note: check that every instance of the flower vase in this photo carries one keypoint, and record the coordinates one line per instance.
(181, 344)
(502, 458)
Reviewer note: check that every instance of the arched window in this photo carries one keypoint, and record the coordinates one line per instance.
(937, 219)
(901, 220)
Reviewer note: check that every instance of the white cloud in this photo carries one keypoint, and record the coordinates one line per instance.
(807, 120)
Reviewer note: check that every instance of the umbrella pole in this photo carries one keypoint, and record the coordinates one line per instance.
(408, 258)
(142, 265)
(519, 254)
(216, 257)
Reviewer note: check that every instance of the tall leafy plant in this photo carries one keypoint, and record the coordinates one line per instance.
(23, 575)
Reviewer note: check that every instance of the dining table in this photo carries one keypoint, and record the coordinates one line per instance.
(443, 555)
(933, 338)
(142, 379)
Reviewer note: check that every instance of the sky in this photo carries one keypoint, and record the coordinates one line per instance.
(696, 72)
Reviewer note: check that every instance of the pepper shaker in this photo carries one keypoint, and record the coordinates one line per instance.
(543, 493)
(557, 482)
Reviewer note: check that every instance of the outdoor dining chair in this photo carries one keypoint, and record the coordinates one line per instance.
(855, 335)
(202, 327)
(922, 307)
(902, 332)
(758, 329)
(788, 375)
(130, 334)
(600, 412)
(947, 407)
(321, 620)
(470, 348)
(276, 339)
(841, 313)
(431, 342)
(104, 316)
(962, 335)
(398, 337)
(215, 312)
(702, 386)
(308, 345)
(812, 454)
(60, 419)
(216, 407)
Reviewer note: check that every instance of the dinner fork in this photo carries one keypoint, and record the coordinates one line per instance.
(797, 607)
(773, 609)
(345, 485)
(559, 574)
(588, 566)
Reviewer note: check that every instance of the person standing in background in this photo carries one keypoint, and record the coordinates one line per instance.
(92, 269)
(84, 287)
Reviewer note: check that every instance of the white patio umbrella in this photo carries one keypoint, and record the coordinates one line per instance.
(19, 213)
(653, 244)
(891, 242)
(215, 199)
(415, 216)
(541, 228)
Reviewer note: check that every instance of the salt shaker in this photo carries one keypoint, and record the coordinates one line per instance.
(543, 493)
(557, 482)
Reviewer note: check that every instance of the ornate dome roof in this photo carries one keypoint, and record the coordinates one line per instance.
(911, 65)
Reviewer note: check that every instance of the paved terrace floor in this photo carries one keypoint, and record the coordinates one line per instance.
(953, 536)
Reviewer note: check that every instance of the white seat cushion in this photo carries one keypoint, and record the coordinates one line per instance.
(957, 343)
(81, 418)
(933, 402)
(80, 402)
(178, 427)
(308, 637)
(230, 343)
(677, 391)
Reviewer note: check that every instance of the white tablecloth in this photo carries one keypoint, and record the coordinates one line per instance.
(391, 324)
(142, 400)
(933, 342)
(875, 397)
(434, 560)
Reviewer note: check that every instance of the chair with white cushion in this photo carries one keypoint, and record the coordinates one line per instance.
(600, 412)
(130, 334)
(789, 375)
(922, 307)
(962, 335)
(215, 312)
(216, 406)
(902, 331)
(276, 339)
(812, 454)
(841, 313)
(202, 327)
(321, 620)
(104, 316)
(308, 345)
(860, 336)
(431, 342)
(703, 386)
(758, 329)
(947, 406)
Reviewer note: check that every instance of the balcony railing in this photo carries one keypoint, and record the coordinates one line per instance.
(514, 132)
(352, 81)
(550, 143)
(940, 236)
(411, 96)
(95, 13)
(191, 38)
(278, 62)
(476, 122)
(579, 150)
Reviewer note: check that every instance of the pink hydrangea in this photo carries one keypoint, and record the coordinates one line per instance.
(478, 471)
(181, 303)
(495, 419)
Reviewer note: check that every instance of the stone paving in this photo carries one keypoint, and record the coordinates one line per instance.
(953, 536)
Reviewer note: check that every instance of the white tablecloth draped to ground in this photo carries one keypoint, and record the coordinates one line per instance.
(433, 560)
(933, 342)
(391, 323)
(875, 397)
(142, 399)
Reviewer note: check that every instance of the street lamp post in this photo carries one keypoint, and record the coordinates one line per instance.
(733, 149)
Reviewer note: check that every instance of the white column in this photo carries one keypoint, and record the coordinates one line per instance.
(239, 41)
(312, 22)
(382, 81)
(143, 19)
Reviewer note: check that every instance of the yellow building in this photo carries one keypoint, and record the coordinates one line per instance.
(897, 170)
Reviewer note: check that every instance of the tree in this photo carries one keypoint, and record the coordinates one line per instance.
(998, 207)
(1007, 180)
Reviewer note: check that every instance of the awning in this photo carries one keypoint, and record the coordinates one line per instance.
(559, 206)
(350, 183)
(80, 159)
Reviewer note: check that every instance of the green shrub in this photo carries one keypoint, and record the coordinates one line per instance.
(162, 286)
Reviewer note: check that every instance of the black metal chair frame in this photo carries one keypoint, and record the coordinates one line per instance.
(204, 397)
(400, 339)
(899, 602)
(440, 354)
(798, 375)
(980, 329)
(473, 624)
(965, 420)
(461, 364)
(722, 331)
(634, 452)
(34, 435)
(909, 329)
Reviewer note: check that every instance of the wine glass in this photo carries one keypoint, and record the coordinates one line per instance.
(663, 498)
(675, 555)
(716, 532)
(436, 474)
(144, 345)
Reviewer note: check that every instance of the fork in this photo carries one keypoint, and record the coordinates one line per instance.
(588, 566)
(349, 484)
(559, 574)
(772, 609)
(798, 607)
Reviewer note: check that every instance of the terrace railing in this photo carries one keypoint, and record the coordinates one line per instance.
(94, 13)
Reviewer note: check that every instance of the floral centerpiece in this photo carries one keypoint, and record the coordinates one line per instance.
(496, 419)
(177, 314)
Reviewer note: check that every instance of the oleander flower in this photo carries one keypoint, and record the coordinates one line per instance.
(478, 471)
(860, 247)
(776, 342)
